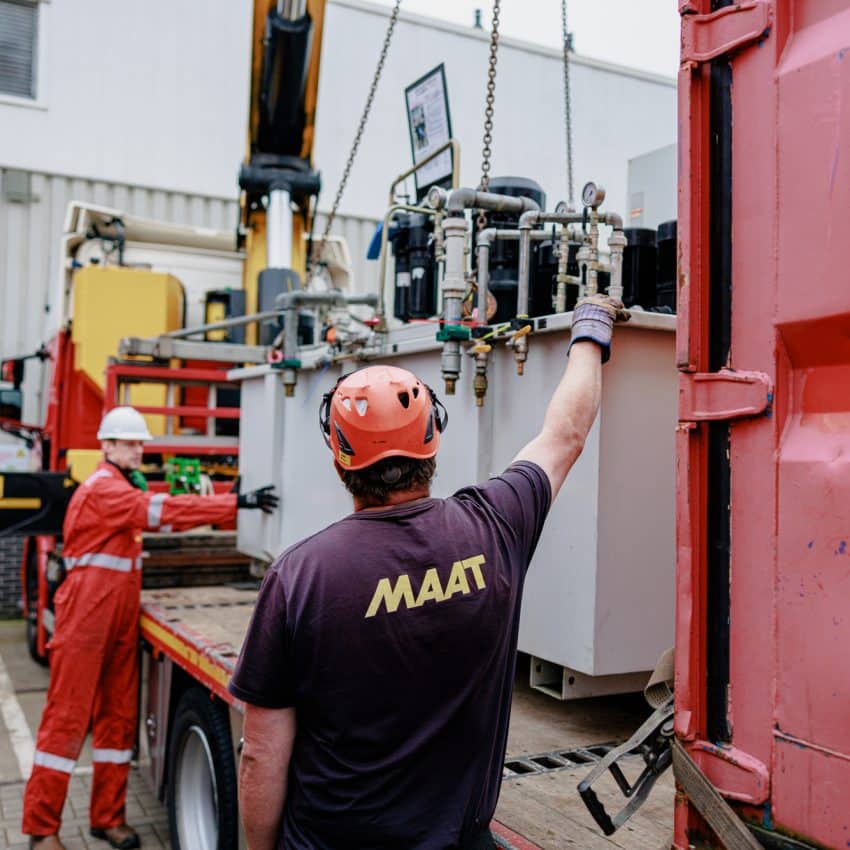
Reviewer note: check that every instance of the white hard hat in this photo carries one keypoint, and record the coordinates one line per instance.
(123, 423)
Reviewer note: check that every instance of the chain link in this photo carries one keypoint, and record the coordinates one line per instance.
(567, 106)
(317, 253)
(488, 110)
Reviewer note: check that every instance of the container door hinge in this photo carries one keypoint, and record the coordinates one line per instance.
(705, 37)
(708, 396)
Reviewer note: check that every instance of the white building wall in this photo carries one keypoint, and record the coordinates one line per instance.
(149, 94)
(156, 94)
(653, 188)
(617, 113)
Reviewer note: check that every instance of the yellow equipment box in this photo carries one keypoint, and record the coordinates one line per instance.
(111, 302)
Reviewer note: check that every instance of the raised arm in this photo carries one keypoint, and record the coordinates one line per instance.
(575, 403)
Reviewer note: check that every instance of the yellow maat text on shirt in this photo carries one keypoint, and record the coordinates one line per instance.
(431, 589)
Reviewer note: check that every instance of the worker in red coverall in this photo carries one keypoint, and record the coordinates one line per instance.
(94, 670)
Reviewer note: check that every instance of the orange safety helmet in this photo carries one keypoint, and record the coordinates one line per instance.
(380, 412)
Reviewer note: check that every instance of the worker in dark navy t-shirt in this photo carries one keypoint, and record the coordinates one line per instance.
(378, 667)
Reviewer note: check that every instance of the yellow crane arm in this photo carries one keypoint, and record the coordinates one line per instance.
(285, 56)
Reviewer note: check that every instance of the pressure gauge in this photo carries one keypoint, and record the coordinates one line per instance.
(562, 208)
(592, 195)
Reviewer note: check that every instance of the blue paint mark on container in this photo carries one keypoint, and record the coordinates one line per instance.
(842, 548)
(767, 817)
(811, 543)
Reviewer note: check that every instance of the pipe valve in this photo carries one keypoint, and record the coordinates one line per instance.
(480, 352)
(519, 343)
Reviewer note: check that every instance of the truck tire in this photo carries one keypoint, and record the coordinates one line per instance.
(31, 591)
(202, 806)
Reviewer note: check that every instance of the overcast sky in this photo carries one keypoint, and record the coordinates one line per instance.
(639, 33)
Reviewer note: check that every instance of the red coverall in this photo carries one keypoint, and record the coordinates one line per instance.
(94, 652)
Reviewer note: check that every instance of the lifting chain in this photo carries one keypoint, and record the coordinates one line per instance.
(317, 253)
(488, 110)
(567, 107)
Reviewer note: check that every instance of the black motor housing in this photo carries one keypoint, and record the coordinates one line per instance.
(639, 267)
(504, 255)
(665, 288)
(415, 267)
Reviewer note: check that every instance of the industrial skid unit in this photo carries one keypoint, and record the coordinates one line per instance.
(607, 553)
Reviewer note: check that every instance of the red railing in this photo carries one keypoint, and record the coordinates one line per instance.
(191, 409)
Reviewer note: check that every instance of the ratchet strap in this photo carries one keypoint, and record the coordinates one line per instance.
(659, 746)
(706, 799)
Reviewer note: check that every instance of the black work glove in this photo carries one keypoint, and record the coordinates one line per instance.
(594, 319)
(263, 499)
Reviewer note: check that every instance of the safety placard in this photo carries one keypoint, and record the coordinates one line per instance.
(430, 126)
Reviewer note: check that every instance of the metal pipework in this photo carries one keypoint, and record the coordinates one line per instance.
(482, 245)
(526, 222)
(456, 203)
(235, 322)
(382, 263)
(484, 241)
(592, 254)
(458, 200)
(290, 303)
(562, 278)
(480, 351)
(454, 289)
(560, 302)
(451, 143)
(617, 244)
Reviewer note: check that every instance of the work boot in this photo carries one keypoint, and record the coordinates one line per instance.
(46, 842)
(121, 837)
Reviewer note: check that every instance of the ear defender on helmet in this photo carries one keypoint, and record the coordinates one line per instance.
(439, 416)
(379, 412)
(325, 411)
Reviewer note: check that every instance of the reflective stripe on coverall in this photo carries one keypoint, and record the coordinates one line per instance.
(94, 652)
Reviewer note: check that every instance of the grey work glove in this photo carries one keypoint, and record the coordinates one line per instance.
(263, 499)
(594, 319)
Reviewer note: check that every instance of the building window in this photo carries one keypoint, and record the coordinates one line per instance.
(18, 48)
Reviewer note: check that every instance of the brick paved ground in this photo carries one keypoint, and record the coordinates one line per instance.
(144, 813)
(10, 576)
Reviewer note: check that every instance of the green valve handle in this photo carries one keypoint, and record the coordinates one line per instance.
(452, 332)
